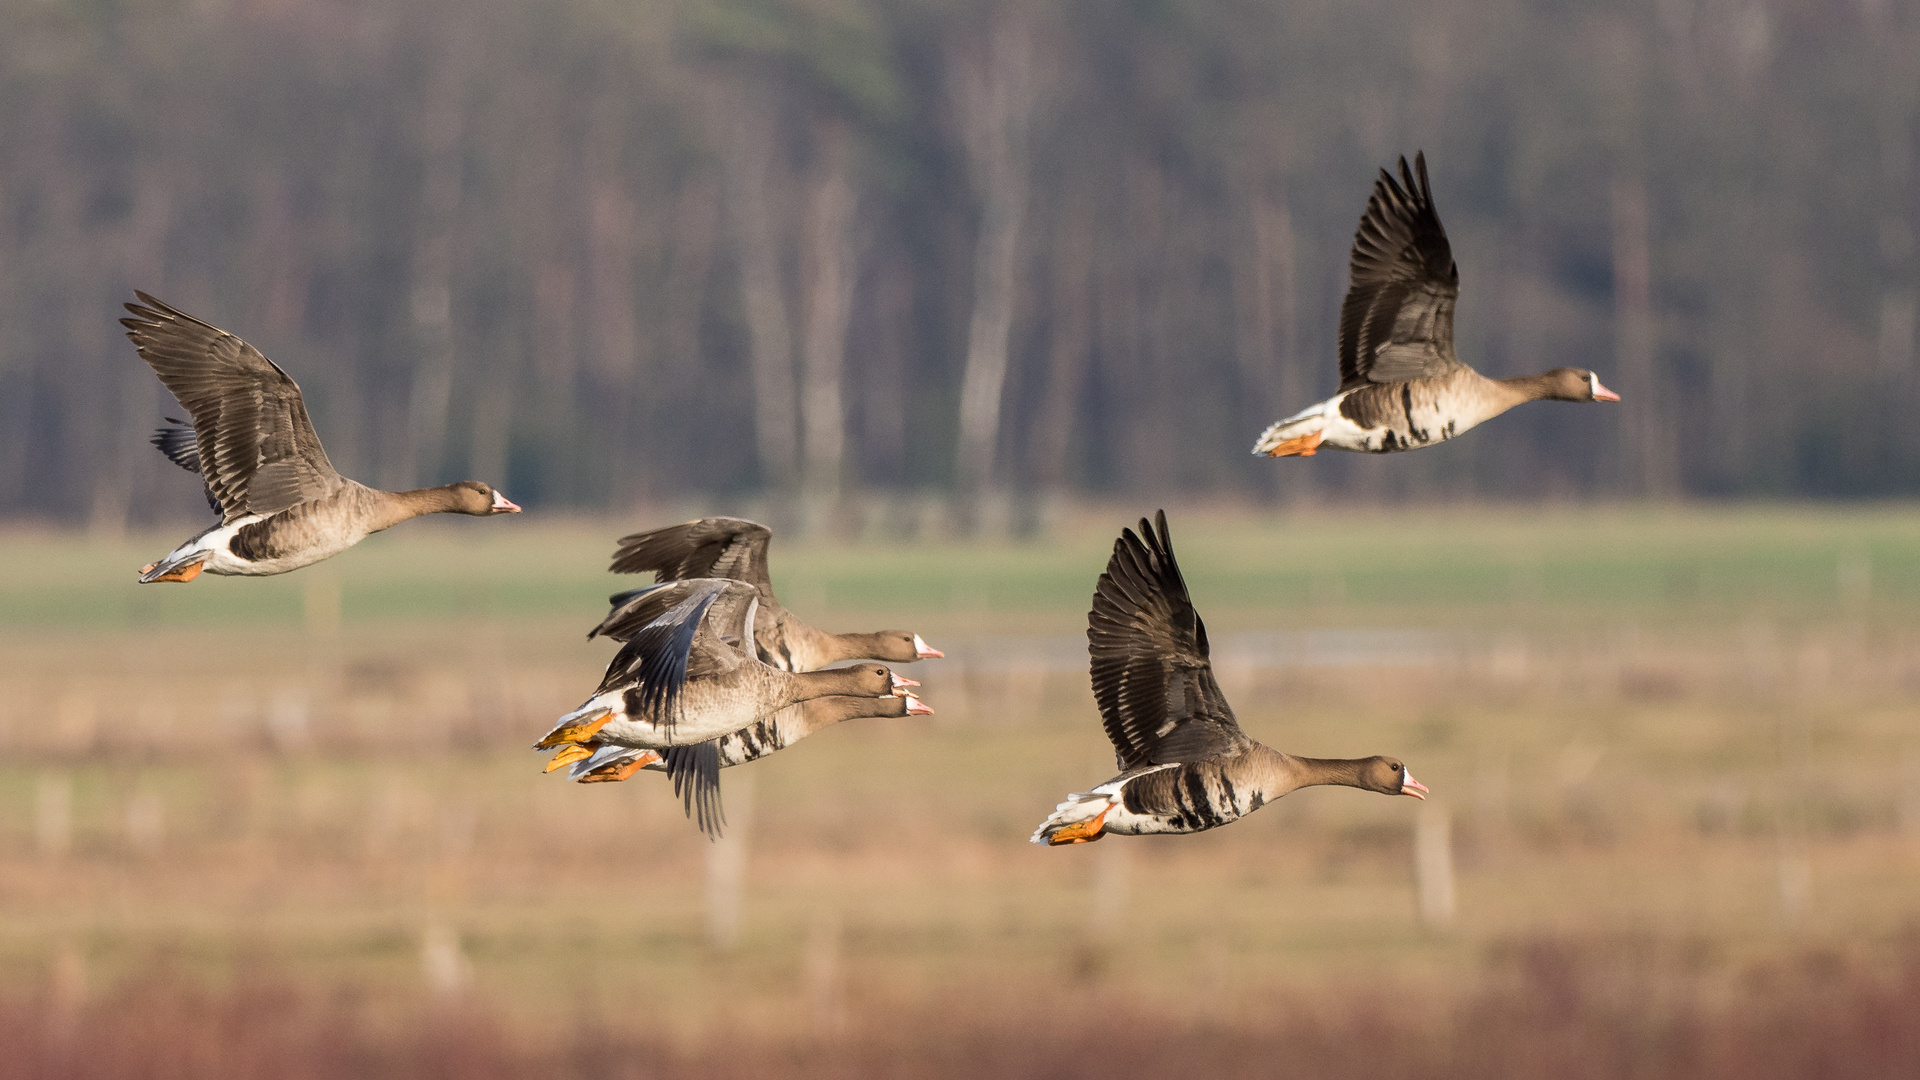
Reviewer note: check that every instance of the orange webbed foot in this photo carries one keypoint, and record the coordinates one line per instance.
(569, 754)
(1085, 832)
(578, 732)
(178, 573)
(607, 774)
(1304, 446)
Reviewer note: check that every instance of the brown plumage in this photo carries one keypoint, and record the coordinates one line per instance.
(724, 547)
(687, 676)
(1185, 765)
(1401, 386)
(281, 503)
(774, 733)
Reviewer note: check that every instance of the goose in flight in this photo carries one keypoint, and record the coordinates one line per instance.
(687, 674)
(725, 547)
(1185, 765)
(281, 504)
(594, 763)
(1401, 386)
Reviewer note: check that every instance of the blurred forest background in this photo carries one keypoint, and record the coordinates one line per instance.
(610, 252)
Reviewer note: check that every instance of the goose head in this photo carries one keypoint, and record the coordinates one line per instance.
(478, 499)
(1389, 776)
(874, 680)
(1574, 384)
(901, 647)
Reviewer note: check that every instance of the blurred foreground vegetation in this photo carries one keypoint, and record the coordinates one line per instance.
(1675, 766)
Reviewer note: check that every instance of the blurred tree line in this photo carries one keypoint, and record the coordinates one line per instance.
(603, 252)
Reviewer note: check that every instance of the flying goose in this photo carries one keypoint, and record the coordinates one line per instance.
(686, 675)
(1185, 765)
(281, 505)
(1401, 386)
(724, 547)
(596, 763)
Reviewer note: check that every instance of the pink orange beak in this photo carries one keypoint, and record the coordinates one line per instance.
(925, 651)
(900, 685)
(1601, 393)
(1410, 786)
(502, 506)
(916, 707)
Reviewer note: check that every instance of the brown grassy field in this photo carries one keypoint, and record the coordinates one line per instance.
(1675, 756)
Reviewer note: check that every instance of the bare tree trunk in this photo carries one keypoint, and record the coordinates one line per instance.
(1652, 471)
(1899, 301)
(882, 389)
(143, 253)
(614, 330)
(1069, 347)
(1147, 430)
(829, 261)
(278, 249)
(1266, 319)
(675, 345)
(430, 300)
(993, 100)
(555, 302)
(492, 420)
(696, 216)
(745, 136)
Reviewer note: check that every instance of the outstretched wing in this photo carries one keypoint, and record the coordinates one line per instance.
(715, 547)
(631, 610)
(678, 631)
(177, 441)
(254, 443)
(696, 779)
(731, 619)
(1397, 320)
(1151, 675)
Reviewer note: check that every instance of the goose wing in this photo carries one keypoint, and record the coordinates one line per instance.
(731, 619)
(253, 440)
(675, 632)
(715, 547)
(177, 441)
(695, 771)
(1152, 677)
(1396, 323)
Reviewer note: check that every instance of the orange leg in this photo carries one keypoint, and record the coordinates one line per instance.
(1304, 446)
(569, 754)
(182, 573)
(607, 774)
(1086, 832)
(575, 733)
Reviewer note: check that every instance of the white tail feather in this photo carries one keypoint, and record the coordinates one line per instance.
(1293, 427)
(1079, 807)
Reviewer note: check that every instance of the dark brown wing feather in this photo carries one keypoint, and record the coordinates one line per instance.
(685, 630)
(715, 547)
(1151, 675)
(256, 446)
(1397, 320)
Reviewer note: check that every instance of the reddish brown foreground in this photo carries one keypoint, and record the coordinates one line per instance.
(1543, 1010)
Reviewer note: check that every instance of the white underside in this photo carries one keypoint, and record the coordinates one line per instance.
(624, 730)
(1336, 431)
(1431, 423)
(220, 559)
(1087, 805)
